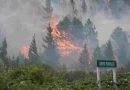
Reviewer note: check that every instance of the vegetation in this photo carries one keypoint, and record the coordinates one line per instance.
(33, 53)
(42, 77)
(3, 53)
(29, 73)
(109, 51)
(84, 59)
(51, 55)
(121, 44)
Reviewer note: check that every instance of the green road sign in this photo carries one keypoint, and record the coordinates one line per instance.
(106, 63)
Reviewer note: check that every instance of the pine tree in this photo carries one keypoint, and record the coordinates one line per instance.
(12, 62)
(74, 26)
(47, 9)
(96, 55)
(109, 51)
(84, 57)
(84, 6)
(65, 23)
(33, 54)
(90, 27)
(77, 28)
(4, 49)
(3, 53)
(51, 54)
(22, 60)
(122, 46)
(48, 38)
(17, 62)
(128, 66)
(90, 33)
(73, 7)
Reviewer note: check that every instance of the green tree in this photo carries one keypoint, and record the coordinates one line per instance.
(128, 66)
(90, 33)
(96, 55)
(77, 22)
(64, 23)
(3, 53)
(74, 26)
(84, 6)
(48, 38)
(90, 27)
(15, 62)
(4, 49)
(119, 37)
(109, 51)
(33, 54)
(12, 62)
(51, 54)
(83, 59)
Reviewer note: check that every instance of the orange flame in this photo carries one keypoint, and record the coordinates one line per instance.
(64, 46)
(25, 50)
(90, 54)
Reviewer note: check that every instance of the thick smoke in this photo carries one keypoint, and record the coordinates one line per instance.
(20, 19)
(106, 14)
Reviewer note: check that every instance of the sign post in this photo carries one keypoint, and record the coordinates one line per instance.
(106, 64)
(114, 75)
(98, 78)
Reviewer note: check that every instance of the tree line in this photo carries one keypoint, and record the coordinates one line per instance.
(86, 33)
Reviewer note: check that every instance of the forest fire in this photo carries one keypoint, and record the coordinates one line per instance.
(24, 51)
(65, 46)
(90, 55)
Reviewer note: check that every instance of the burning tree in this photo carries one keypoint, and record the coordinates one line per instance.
(57, 41)
(25, 50)
(62, 40)
(51, 54)
(84, 59)
(33, 54)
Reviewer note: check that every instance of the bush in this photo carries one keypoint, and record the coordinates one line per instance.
(74, 75)
(42, 77)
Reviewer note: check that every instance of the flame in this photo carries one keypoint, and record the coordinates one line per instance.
(65, 46)
(25, 50)
(89, 54)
